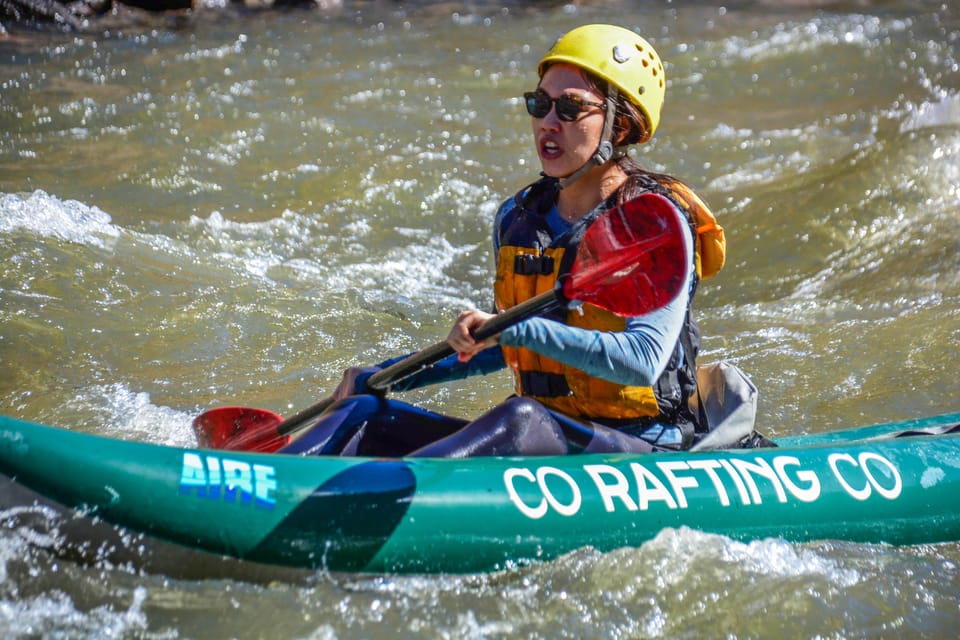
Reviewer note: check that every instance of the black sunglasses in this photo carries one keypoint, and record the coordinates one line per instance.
(569, 106)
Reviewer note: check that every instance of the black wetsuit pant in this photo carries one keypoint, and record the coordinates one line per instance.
(368, 425)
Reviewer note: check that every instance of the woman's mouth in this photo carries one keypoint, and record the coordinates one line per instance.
(549, 150)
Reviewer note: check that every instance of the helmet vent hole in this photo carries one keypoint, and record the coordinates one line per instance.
(640, 90)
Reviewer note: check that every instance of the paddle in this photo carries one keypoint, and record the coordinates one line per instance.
(631, 261)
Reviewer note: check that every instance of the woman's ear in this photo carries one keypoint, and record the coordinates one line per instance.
(622, 129)
(630, 126)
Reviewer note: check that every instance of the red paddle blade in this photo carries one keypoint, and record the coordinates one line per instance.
(633, 259)
(239, 429)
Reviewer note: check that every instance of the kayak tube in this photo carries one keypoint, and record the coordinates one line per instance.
(897, 483)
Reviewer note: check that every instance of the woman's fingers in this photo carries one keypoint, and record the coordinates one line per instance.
(461, 335)
(348, 383)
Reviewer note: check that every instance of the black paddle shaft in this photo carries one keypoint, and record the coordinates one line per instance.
(630, 261)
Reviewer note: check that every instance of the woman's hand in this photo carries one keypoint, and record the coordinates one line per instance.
(461, 337)
(348, 383)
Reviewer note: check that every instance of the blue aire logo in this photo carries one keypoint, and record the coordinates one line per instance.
(217, 478)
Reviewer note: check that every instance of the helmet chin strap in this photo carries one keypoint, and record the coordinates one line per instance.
(605, 150)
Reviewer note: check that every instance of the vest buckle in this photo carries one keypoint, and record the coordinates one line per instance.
(527, 264)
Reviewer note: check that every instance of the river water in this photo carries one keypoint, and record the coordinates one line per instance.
(232, 208)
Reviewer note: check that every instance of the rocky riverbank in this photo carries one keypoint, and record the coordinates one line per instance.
(98, 15)
(106, 15)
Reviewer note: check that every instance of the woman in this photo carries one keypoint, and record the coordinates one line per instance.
(585, 381)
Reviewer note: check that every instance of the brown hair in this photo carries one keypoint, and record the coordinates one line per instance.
(631, 125)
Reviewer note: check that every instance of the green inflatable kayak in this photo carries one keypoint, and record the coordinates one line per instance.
(897, 483)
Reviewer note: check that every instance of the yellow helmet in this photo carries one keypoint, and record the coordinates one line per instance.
(620, 57)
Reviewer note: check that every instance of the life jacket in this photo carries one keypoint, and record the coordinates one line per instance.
(529, 262)
(709, 243)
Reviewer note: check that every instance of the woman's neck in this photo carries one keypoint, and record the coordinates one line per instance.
(580, 198)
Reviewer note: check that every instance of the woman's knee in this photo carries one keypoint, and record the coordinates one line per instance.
(521, 411)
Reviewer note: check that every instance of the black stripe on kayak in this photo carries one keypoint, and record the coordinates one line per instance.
(345, 521)
(940, 430)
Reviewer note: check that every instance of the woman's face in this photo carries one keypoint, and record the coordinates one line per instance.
(564, 147)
